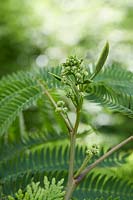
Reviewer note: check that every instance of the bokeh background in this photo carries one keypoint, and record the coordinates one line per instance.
(43, 32)
(40, 33)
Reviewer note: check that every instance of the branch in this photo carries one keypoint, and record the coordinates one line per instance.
(89, 168)
(68, 125)
(70, 182)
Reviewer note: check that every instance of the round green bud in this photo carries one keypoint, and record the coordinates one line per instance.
(89, 153)
(75, 62)
(85, 73)
(65, 109)
(74, 68)
(60, 103)
(78, 75)
(95, 149)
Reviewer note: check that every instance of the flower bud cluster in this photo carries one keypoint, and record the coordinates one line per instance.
(61, 107)
(73, 66)
(94, 150)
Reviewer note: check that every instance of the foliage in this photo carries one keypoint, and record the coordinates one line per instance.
(35, 192)
(47, 153)
(101, 186)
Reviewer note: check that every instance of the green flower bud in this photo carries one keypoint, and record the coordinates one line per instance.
(75, 62)
(74, 68)
(78, 75)
(95, 149)
(89, 153)
(60, 103)
(85, 73)
(65, 109)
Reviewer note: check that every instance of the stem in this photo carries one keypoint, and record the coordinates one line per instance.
(68, 125)
(89, 168)
(70, 183)
(69, 121)
(84, 164)
(74, 183)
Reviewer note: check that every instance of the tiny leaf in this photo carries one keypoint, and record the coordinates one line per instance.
(101, 60)
(55, 76)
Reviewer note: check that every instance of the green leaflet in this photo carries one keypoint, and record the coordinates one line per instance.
(101, 60)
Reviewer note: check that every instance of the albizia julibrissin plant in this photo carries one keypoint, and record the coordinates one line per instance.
(32, 157)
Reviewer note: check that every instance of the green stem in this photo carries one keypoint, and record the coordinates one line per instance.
(70, 184)
(68, 125)
(75, 181)
(93, 165)
(84, 164)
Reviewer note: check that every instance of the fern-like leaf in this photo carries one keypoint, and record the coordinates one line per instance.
(113, 88)
(50, 159)
(106, 96)
(34, 191)
(96, 186)
(19, 91)
(100, 186)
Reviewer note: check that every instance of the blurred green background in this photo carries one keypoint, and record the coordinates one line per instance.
(35, 34)
(43, 32)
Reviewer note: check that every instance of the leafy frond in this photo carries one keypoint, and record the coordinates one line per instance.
(19, 91)
(11, 150)
(107, 96)
(34, 191)
(118, 78)
(49, 158)
(46, 75)
(95, 186)
(113, 87)
(11, 185)
(100, 186)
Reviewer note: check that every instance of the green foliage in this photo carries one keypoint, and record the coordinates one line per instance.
(37, 155)
(27, 162)
(113, 88)
(20, 91)
(34, 191)
(96, 186)
(102, 186)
